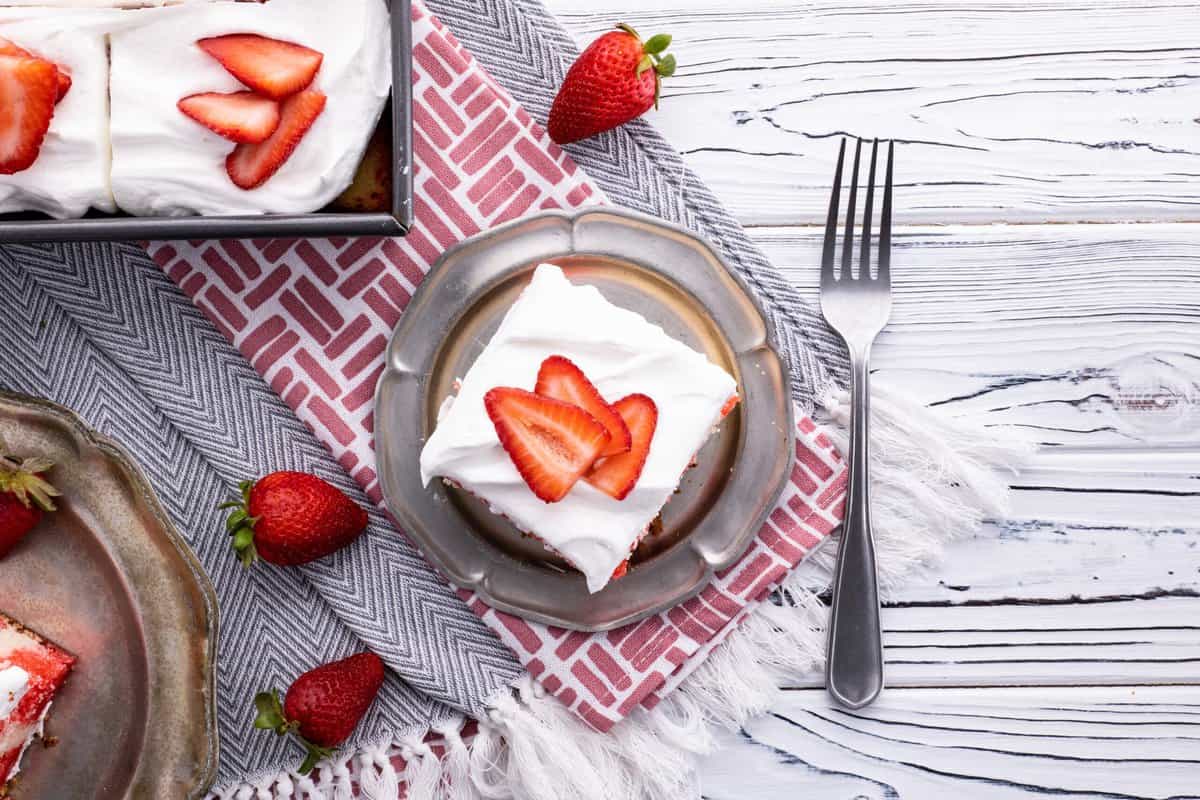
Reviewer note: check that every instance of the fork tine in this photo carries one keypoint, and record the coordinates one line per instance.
(864, 266)
(827, 255)
(885, 224)
(848, 242)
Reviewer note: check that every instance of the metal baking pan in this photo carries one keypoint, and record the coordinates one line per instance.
(99, 227)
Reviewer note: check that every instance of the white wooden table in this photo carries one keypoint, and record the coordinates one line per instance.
(1058, 652)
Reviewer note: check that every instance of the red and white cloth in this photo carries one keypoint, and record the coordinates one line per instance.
(313, 318)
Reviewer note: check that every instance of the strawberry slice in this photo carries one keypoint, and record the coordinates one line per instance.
(272, 67)
(241, 117)
(552, 443)
(251, 165)
(7, 48)
(28, 90)
(561, 379)
(617, 475)
(64, 84)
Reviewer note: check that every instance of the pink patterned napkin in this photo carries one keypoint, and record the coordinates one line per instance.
(313, 318)
(604, 676)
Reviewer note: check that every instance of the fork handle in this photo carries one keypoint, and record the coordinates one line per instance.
(854, 669)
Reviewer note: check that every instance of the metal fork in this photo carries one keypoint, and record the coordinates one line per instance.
(857, 307)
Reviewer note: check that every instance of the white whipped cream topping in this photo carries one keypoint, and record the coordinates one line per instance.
(165, 164)
(14, 682)
(622, 353)
(71, 173)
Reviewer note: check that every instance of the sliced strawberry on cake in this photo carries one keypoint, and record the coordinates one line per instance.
(32, 670)
(242, 117)
(561, 379)
(617, 475)
(552, 443)
(28, 94)
(63, 77)
(251, 165)
(271, 67)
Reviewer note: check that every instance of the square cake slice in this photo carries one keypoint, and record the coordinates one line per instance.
(72, 170)
(31, 671)
(622, 354)
(165, 163)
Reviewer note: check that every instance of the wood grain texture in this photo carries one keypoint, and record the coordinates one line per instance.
(1012, 111)
(1118, 743)
(1082, 339)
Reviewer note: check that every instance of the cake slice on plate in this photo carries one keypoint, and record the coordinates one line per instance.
(31, 671)
(577, 422)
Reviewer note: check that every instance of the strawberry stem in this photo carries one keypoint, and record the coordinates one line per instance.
(240, 525)
(270, 717)
(655, 57)
(23, 478)
(270, 713)
(629, 29)
(314, 755)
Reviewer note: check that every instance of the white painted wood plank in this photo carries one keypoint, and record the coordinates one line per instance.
(1082, 338)
(1128, 641)
(1014, 111)
(999, 744)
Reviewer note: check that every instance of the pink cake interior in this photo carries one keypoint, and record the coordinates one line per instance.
(42, 668)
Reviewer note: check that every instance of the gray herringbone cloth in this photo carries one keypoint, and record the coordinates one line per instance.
(100, 329)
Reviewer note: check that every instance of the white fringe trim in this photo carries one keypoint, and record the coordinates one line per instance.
(933, 480)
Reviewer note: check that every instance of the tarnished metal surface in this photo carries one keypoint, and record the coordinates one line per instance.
(109, 579)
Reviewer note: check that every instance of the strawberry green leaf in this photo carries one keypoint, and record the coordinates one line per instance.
(267, 701)
(240, 526)
(666, 66)
(645, 64)
(315, 754)
(270, 717)
(24, 480)
(658, 43)
(270, 713)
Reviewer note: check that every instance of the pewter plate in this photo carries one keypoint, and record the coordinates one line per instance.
(672, 278)
(108, 578)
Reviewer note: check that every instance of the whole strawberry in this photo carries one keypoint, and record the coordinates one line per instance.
(616, 79)
(324, 705)
(24, 496)
(290, 518)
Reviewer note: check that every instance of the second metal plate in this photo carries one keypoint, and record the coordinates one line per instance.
(108, 578)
